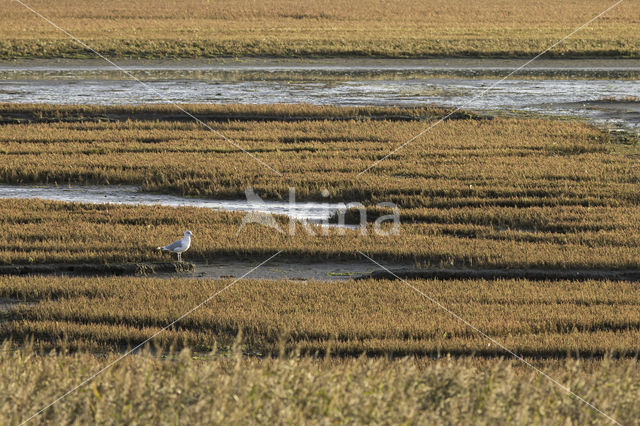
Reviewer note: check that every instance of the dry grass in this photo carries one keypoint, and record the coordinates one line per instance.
(302, 390)
(474, 192)
(535, 319)
(406, 28)
(54, 232)
(464, 162)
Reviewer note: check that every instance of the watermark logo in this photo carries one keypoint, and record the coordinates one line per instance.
(317, 218)
(261, 215)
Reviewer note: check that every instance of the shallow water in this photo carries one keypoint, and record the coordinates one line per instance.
(7, 304)
(593, 89)
(313, 212)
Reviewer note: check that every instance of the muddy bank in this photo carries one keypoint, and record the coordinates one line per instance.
(297, 270)
(618, 114)
(286, 269)
(339, 68)
(496, 274)
(222, 268)
(85, 269)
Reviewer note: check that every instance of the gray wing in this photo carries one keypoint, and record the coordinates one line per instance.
(176, 245)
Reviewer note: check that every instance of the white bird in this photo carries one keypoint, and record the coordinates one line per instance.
(179, 246)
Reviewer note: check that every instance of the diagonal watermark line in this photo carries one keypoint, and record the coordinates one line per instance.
(485, 91)
(156, 91)
(111, 364)
(494, 341)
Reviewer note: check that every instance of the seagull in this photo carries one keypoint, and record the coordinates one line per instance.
(179, 246)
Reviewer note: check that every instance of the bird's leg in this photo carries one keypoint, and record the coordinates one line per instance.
(179, 257)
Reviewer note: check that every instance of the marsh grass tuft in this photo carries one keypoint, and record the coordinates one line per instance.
(186, 388)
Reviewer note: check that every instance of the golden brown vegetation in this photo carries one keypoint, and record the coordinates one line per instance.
(501, 192)
(464, 162)
(188, 390)
(535, 319)
(478, 192)
(55, 232)
(404, 28)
